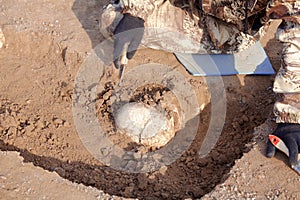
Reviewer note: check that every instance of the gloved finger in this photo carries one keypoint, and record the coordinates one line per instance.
(270, 151)
(135, 42)
(292, 146)
(284, 128)
(132, 48)
(128, 23)
(297, 167)
(122, 26)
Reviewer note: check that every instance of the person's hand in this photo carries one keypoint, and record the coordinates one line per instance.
(129, 31)
(290, 135)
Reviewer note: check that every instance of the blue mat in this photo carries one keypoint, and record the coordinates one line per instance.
(250, 61)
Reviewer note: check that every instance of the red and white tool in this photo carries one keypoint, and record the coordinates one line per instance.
(279, 144)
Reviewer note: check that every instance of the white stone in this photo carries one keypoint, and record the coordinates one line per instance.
(2, 38)
(144, 124)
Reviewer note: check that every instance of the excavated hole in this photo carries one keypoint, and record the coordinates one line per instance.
(152, 96)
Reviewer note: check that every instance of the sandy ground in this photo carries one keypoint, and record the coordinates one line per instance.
(42, 156)
(21, 180)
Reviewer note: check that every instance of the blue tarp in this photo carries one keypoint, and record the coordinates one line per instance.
(250, 61)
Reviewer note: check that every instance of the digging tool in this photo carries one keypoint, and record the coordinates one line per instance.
(122, 61)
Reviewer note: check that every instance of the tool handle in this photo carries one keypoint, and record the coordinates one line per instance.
(123, 58)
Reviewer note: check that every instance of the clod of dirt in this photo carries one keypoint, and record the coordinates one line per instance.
(58, 122)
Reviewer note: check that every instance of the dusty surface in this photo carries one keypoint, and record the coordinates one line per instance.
(45, 44)
(21, 180)
(254, 176)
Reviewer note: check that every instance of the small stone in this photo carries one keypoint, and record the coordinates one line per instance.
(189, 159)
(165, 195)
(100, 102)
(245, 118)
(29, 128)
(113, 98)
(104, 151)
(9, 121)
(244, 99)
(58, 121)
(60, 171)
(127, 192)
(67, 124)
(2, 39)
(12, 131)
(14, 114)
(142, 182)
(202, 162)
(107, 95)
(131, 165)
(137, 156)
(157, 96)
(128, 156)
(152, 177)
(40, 124)
(163, 170)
